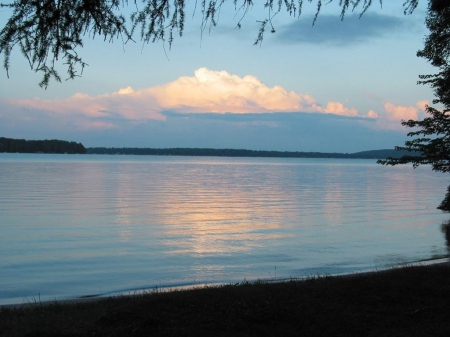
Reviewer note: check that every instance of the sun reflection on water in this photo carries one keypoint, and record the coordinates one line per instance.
(142, 221)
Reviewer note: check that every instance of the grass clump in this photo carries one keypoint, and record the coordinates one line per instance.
(411, 301)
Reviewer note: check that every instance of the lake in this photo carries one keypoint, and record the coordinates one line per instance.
(82, 225)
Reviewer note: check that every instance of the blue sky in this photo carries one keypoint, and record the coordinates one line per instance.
(340, 86)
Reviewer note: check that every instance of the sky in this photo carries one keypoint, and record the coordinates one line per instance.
(337, 86)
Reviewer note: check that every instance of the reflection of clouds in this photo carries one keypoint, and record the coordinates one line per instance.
(125, 210)
(401, 189)
(333, 199)
(216, 215)
(187, 208)
(150, 220)
(197, 208)
(217, 224)
(391, 200)
(333, 204)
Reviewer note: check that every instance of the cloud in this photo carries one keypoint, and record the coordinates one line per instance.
(219, 91)
(372, 114)
(207, 91)
(393, 114)
(353, 30)
(283, 131)
(122, 104)
(422, 105)
(338, 108)
(398, 112)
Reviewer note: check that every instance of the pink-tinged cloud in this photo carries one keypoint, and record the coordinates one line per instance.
(338, 108)
(207, 91)
(96, 125)
(398, 112)
(372, 114)
(393, 114)
(122, 104)
(422, 105)
(219, 91)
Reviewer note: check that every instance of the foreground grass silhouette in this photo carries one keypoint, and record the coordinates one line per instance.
(410, 301)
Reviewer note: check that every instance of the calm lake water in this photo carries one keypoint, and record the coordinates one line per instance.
(78, 225)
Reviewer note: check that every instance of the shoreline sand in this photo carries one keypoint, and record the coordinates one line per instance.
(408, 301)
(99, 297)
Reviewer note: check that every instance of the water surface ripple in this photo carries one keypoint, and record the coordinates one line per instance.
(76, 225)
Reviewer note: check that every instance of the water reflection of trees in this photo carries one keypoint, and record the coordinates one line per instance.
(445, 228)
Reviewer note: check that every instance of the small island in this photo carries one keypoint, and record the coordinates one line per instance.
(40, 146)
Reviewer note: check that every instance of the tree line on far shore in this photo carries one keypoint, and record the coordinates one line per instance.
(40, 146)
(204, 152)
(60, 146)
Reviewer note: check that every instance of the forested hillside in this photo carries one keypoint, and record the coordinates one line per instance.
(40, 146)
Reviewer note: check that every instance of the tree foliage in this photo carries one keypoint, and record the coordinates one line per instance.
(431, 136)
(40, 146)
(48, 31)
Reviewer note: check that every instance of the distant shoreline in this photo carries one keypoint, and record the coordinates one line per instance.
(9, 145)
(207, 152)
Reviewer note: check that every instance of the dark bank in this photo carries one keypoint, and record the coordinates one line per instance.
(410, 301)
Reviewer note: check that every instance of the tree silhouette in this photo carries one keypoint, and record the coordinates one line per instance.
(40, 146)
(431, 143)
(46, 31)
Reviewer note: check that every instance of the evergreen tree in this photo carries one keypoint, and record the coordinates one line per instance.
(431, 136)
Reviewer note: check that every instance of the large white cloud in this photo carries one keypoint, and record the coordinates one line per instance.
(205, 92)
(219, 91)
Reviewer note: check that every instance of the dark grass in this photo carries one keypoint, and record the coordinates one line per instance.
(410, 301)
